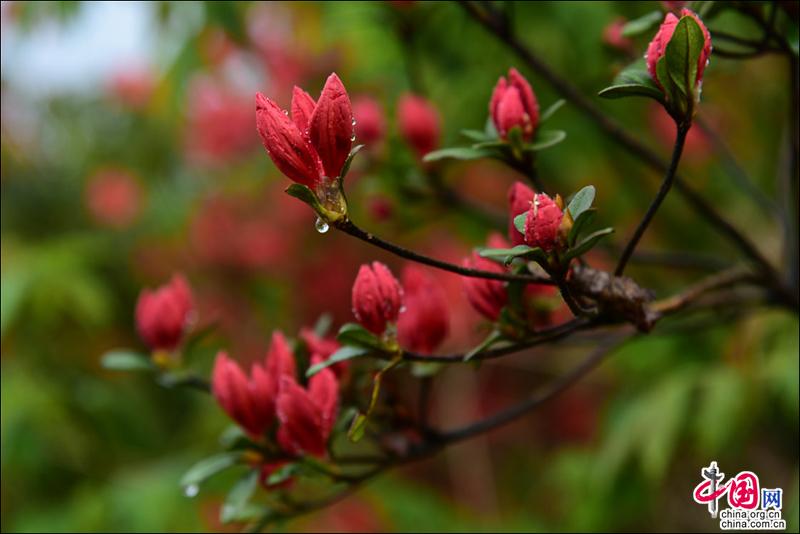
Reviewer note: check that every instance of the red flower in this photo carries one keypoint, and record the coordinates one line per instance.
(514, 104)
(307, 415)
(419, 123)
(541, 225)
(114, 198)
(426, 321)
(370, 124)
(162, 315)
(377, 297)
(658, 46)
(313, 145)
(488, 297)
(250, 401)
(520, 200)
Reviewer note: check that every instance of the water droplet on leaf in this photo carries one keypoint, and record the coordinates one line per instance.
(191, 490)
(321, 226)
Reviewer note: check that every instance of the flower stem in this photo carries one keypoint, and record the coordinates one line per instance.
(666, 185)
(347, 226)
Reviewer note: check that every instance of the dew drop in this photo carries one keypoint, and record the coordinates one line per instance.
(352, 138)
(321, 226)
(286, 112)
(353, 122)
(403, 308)
(191, 490)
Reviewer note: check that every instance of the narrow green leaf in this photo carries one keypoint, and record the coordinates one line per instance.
(506, 255)
(323, 324)
(642, 24)
(579, 224)
(475, 135)
(489, 128)
(126, 360)
(581, 201)
(208, 467)
(682, 54)
(348, 352)
(283, 473)
(586, 244)
(357, 428)
(355, 334)
(634, 80)
(546, 139)
(237, 499)
(346, 167)
(462, 153)
(305, 194)
(519, 222)
(550, 111)
(493, 337)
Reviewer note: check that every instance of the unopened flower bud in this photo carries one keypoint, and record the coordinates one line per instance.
(543, 222)
(377, 297)
(514, 104)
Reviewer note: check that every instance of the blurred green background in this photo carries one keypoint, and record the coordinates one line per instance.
(161, 95)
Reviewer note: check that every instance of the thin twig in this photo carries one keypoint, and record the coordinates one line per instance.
(666, 185)
(347, 226)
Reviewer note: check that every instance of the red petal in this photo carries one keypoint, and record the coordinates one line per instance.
(302, 109)
(331, 126)
(285, 144)
(301, 422)
(323, 389)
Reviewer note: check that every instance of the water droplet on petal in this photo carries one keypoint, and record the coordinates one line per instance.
(285, 112)
(191, 490)
(321, 226)
(352, 137)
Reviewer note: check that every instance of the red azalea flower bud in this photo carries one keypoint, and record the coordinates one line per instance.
(307, 416)
(162, 315)
(377, 297)
(370, 124)
(520, 200)
(514, 104)
(426, 321)
(488, 297)
(658, 46)
(316, 141)
(251, 401)
(419, 123)
(541, 225)
(114, 198)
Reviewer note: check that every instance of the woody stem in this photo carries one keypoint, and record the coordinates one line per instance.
(347, 226)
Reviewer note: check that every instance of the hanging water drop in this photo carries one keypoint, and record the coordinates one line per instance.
(352, 138)
(286, 112)
(321, 226)
(353, 122)
(191, 490)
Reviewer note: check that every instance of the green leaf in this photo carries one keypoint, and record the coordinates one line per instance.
(283, 473)
(475, 135)
(357, 428)
(587, 243)
(462, 153)
(579, 224)
(348, 352)
(489, 128)
(642, 24)
(126, 360)
(355, 334)
(507, 255)
(550, 111)
(305, 194)
(349, 160)
(546, 139)
(634, 80)
(493, 337)
(424, 369)
(682, 55)
(581, 202)
(323, 324)
(208, 467)
(519, 222)
(793, 36)
(237, 499)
